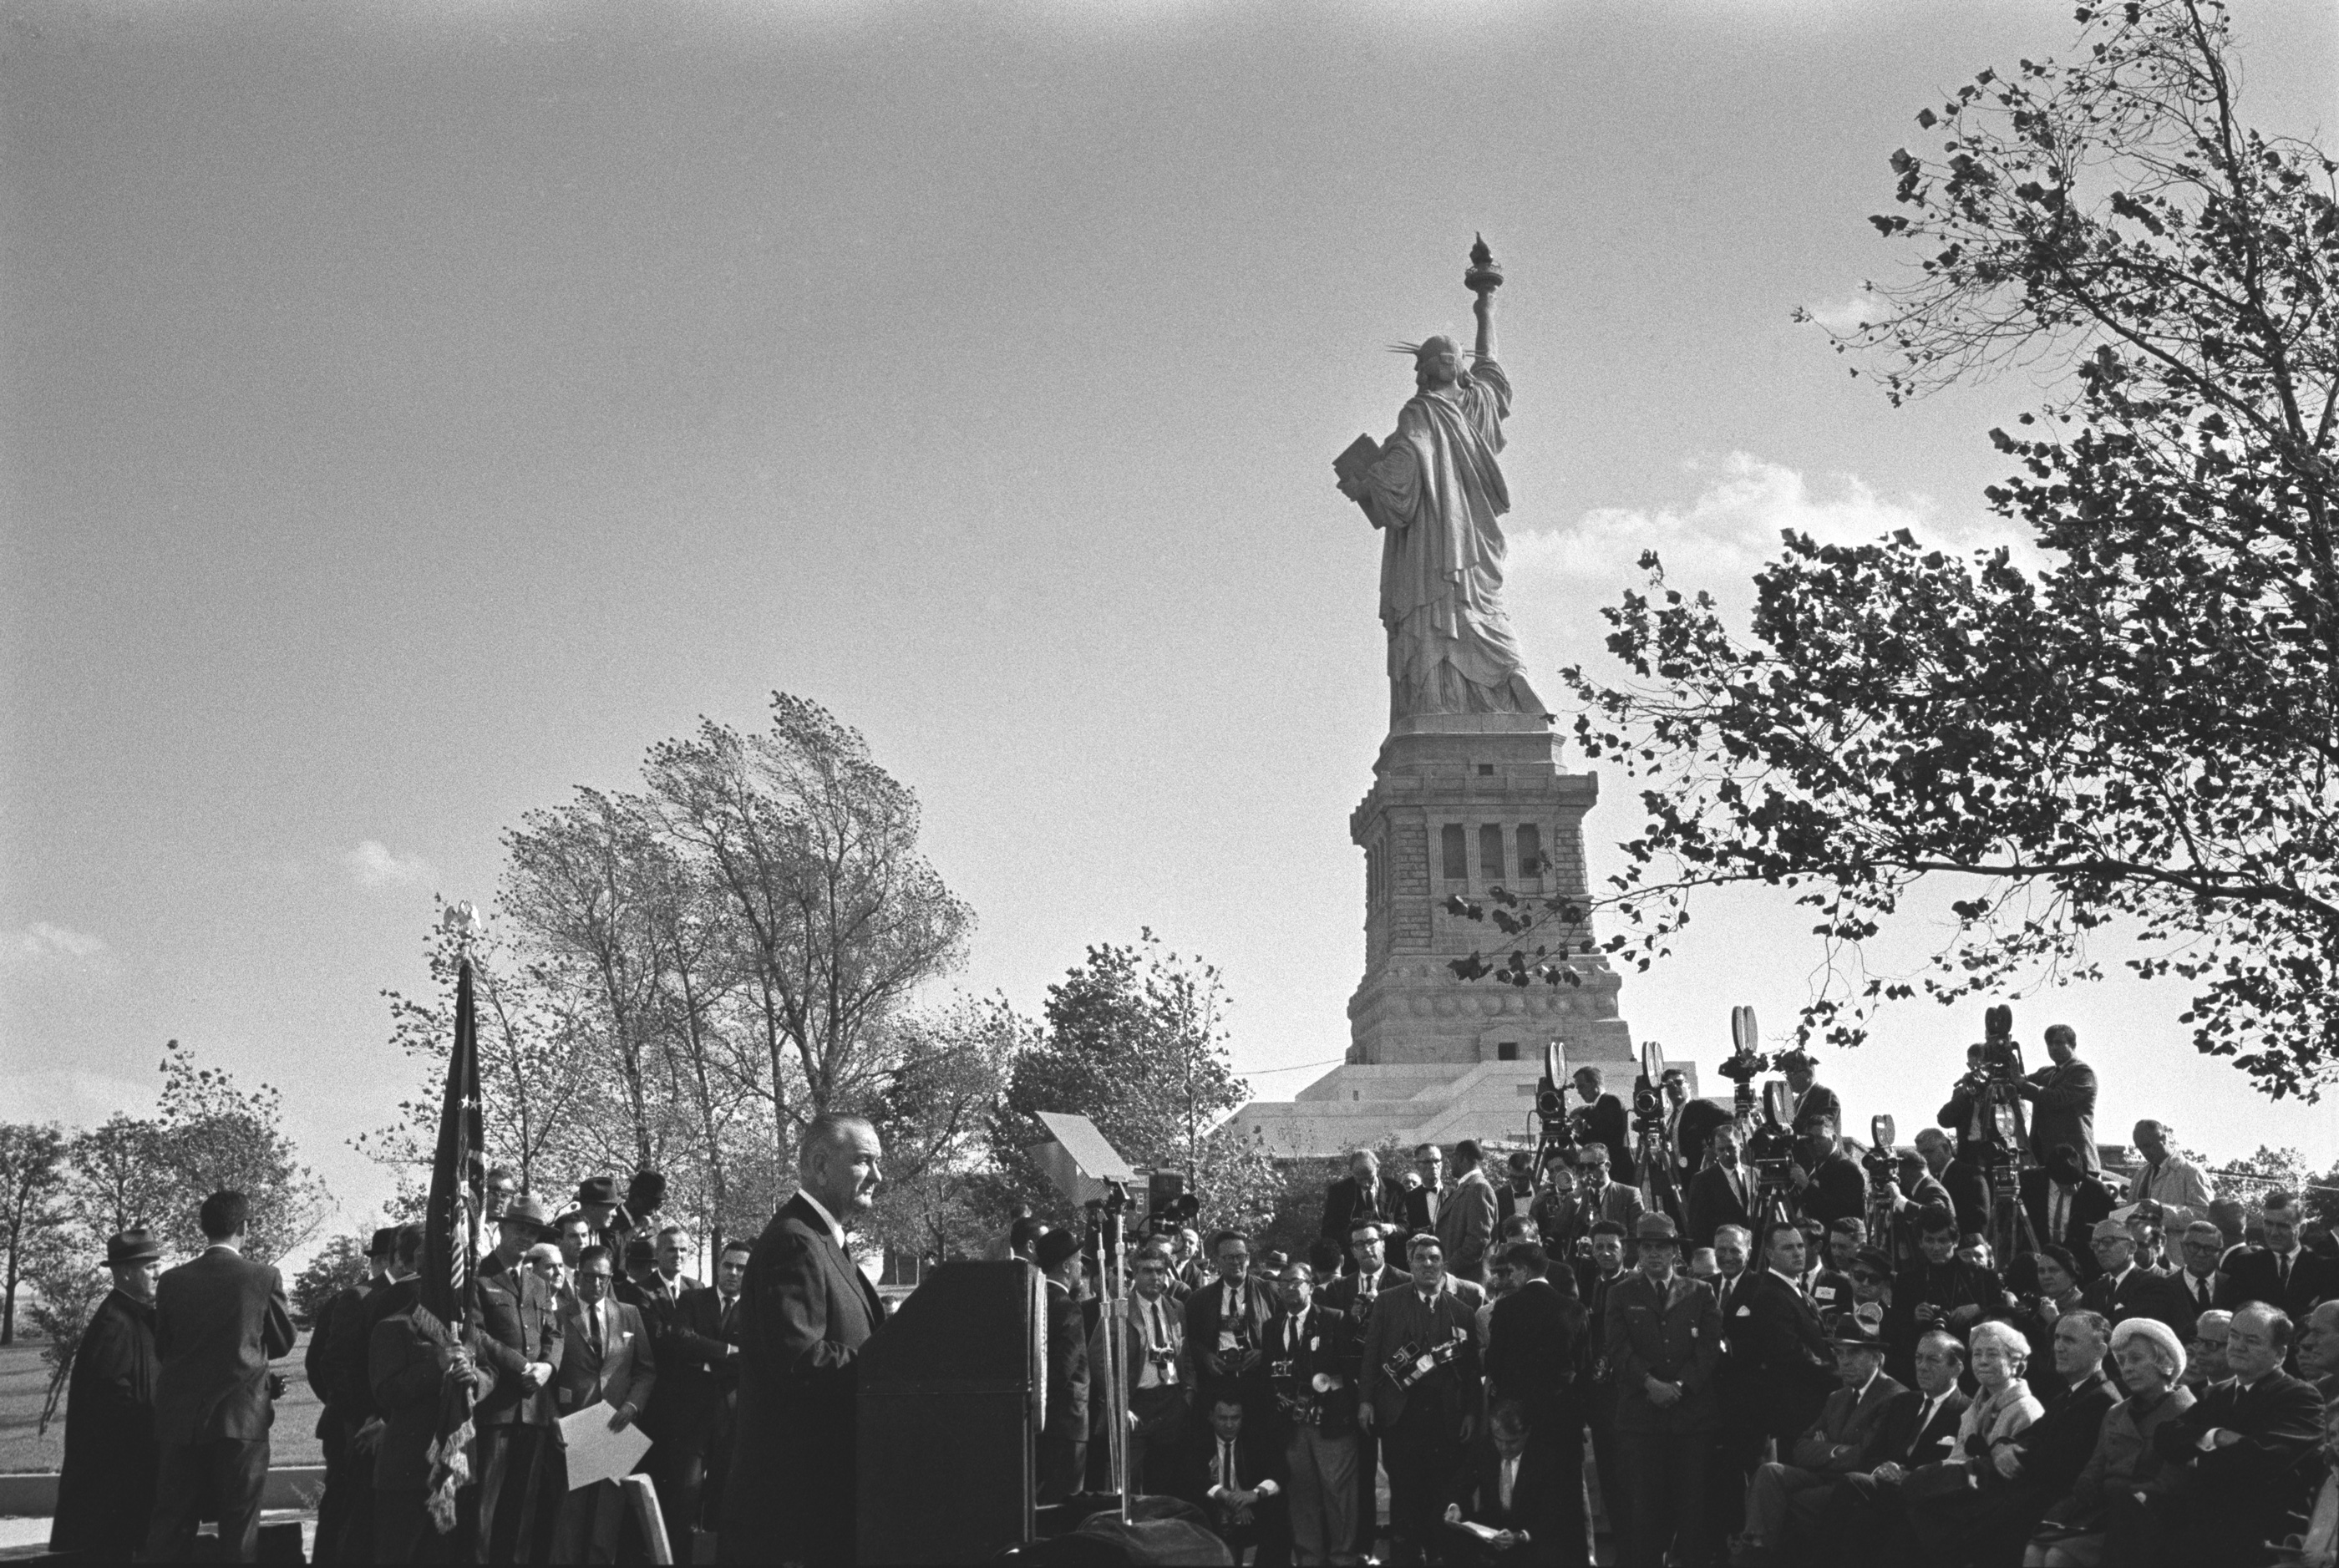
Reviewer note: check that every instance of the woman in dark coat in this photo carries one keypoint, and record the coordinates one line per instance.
(105, 1496)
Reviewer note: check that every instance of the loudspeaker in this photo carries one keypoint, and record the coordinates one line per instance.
(949, 1398)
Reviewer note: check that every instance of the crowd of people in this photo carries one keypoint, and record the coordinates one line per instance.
(172, 1400)
(1826, 1364)
(1827, 1357)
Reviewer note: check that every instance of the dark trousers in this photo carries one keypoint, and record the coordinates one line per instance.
(341, 1479)
(1730, 1465)
(1063, 1462)
(590, 1518)
(1423, 1455)
(679, 1474)
(1153, 1447)
(402, 1529)
(517, 1493)
(229, 1472)
(1665, 1488)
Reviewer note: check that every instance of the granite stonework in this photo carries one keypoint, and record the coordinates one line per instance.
(1460, 804)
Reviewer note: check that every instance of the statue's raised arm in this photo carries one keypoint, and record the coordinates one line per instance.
(1434, 489)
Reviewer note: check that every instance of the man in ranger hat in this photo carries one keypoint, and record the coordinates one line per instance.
(1662, 1333)
(1788, 1500)
(106, 1493)
(520, 1343)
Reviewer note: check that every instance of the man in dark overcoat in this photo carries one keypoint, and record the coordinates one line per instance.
(106, 1493)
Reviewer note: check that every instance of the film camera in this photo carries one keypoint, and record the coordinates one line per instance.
(1882, 1164)
(1993, 1086)
(1771, 1147)
(1169, 1207)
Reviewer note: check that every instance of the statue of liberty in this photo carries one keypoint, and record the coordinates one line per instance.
(1435, 490)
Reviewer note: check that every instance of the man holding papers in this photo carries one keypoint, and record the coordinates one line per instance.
(604, 1360)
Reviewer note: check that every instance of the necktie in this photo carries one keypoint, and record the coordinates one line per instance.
(1368, 1285)
(593, 1327)
(730, 1307)
(1510, 1481)
(1227, 1466)
(2282, 1272)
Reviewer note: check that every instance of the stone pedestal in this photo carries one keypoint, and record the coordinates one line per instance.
(1460, 804)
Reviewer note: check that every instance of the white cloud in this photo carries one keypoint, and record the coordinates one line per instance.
(1558, 580)
(1846, 316)
(43, 942)
(374, 865)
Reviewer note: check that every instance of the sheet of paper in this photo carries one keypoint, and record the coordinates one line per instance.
(597, 1453)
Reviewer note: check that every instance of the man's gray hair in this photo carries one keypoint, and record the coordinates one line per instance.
(829, 1130)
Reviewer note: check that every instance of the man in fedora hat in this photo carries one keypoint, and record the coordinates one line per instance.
(106, 1493)
(520, 1342)
(596, 1200)
(1661, 1333)
(1063, 1449)
(1787, 1500)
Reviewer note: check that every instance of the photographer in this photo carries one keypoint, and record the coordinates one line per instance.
(1815, 1103)
(1690, 1126)
(1602, 1120)
(1939, 1290)
(1557, 1218)
(1967, 1184)
(1828, 1182)
(2062, 1097)
(1362, 1196)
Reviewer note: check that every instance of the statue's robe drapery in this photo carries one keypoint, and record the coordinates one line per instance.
(1436, 492)
(105, 1495)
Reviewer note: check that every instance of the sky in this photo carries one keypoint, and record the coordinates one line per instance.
(411, 412)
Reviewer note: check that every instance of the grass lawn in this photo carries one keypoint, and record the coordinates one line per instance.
(24, 1376)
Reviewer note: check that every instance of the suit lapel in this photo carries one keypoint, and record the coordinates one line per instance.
(841, 1265)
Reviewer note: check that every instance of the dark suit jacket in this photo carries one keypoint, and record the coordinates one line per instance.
(2065, 1112)
(1202, 1328)
(105, 1491)
(2090, 1201)
(1257, 1457)
(624, 1371)
(1839, 1189)
(804, 1312)
(351, 1373)
(1818, 1104)
(1949, 1286)
(1712, 1204)
(1693, 1128)
(1968, 1188)
(1344, 1207)
(519, 1326)
(1402, 1319)
(695, 1367)
(2055, 1447)
(2254, 1490)
(218, 1322)
(2252, 1276)
(1605, 1120)
(1851, 1430)
(1536, 1352)
(1535, 1496)
(1346, 1296)
(1417, 1213)
(1906, 1443)
(320, 1363)
(1789, 1366)
(2142, 1294)
(1294, 1358)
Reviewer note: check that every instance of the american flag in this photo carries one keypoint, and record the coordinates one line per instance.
(451, 1244)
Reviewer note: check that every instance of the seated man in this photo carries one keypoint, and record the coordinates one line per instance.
(1920, 1429)
(1788, 1498)
(1235, 1476)
(2205, 1358)
(2249, 1444)
(1514, 1487)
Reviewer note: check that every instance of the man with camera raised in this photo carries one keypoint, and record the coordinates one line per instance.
(1941, 1290)
(1421, 1392)
(1829, 1183)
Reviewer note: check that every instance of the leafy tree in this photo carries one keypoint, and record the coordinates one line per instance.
(933, 1115)
(814, 849)
(68, 1279)
(2140, 728)
(32, 1182)
(217, 1136)
(336, 1265)
(1133, 1039)
(122, 1176)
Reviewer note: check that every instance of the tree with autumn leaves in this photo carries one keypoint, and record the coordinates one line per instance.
(2129, 738)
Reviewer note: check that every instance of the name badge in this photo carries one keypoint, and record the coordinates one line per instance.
(1824, 1293)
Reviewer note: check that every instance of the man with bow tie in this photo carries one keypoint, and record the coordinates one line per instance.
(1309, 1366)
(1421, 1392)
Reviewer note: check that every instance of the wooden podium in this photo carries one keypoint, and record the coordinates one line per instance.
(950, 1398)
